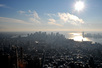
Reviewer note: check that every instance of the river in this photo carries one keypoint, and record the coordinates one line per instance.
(78, 36)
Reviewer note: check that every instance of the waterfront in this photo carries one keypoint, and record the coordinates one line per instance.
(78, 36)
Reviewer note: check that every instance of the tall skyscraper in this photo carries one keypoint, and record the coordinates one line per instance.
(83, 34)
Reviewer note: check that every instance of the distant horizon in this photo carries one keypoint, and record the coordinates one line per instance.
(75, 35)
(50, 31)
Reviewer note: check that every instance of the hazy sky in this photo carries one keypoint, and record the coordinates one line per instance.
(50, 15)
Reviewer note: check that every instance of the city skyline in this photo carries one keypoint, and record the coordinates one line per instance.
(48, 15)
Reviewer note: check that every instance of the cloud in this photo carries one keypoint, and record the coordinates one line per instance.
(21, 12)
(4, 6)
(53, 22)
(50, 15)
(34, 20)
(67, 17)
(11, 24)
(29, 11)
(35, 17)
(11, 20)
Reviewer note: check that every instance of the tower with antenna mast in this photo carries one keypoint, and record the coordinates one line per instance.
(83, 36)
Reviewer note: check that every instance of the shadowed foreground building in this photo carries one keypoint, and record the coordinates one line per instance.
(14, 60)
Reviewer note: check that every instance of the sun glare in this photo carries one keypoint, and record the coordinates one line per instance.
(79, 5)
(78, 37)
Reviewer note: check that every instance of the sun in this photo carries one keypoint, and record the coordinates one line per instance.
(79, 5)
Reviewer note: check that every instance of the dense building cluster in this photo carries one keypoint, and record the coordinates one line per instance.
(43, 50)
(94, 35)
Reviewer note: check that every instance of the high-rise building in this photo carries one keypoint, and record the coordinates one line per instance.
(83, 34)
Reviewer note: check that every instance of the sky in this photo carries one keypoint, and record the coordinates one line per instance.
(50, 15)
